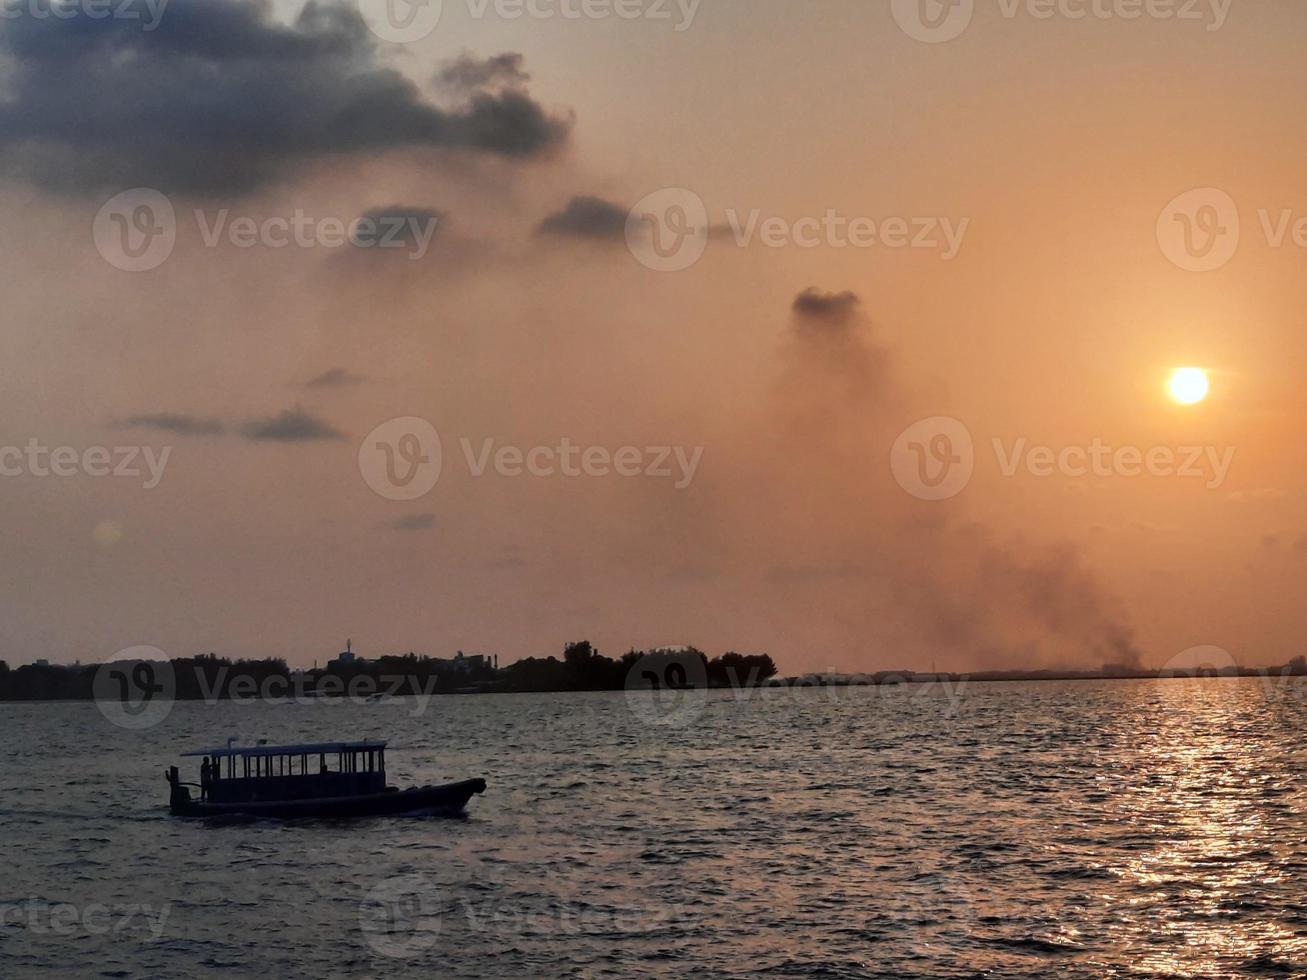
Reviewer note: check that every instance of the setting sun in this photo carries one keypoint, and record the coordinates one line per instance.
(1189, 385)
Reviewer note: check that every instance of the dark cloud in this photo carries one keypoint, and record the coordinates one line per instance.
(182, 425)
(415, 522)
(467, 72)
(587, 217)
(830, 307)
(292, 425)
(335, 378)
(223, 98)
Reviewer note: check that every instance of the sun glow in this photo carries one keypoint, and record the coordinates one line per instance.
(1189, 385)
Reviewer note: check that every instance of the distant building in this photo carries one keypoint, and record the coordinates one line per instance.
(345, 658)
(463, 663)
(40, 663)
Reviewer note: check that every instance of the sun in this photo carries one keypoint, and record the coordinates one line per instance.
(1189, 385)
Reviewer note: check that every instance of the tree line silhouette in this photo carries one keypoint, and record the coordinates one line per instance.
(582, 668)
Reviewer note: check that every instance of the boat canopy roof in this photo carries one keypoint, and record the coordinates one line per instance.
(316, 748)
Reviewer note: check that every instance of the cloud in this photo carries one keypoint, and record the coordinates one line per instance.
(292, 425)
(467, 72)
(836, 308)
(182, 425)
(335, 378)
(415, 522)
(223, 98)
(587, 217)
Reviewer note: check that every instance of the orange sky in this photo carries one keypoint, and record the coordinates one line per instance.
(1059, 141)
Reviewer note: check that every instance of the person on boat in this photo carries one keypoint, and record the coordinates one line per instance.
(206, 775)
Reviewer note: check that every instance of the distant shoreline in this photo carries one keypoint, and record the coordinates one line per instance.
(782, 683)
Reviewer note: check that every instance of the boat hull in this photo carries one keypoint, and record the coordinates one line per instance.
(449, 799)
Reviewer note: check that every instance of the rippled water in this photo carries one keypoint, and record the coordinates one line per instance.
(1114, 829)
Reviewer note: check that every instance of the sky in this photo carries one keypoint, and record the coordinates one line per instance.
(837, 331)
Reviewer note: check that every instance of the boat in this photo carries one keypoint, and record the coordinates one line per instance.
(322, 780)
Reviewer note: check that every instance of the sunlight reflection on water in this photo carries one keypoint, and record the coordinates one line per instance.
(1094, 829)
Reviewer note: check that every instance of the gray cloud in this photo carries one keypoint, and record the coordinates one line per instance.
(587, 217)
(335, 378)
(468, 72)
(182, 425)
(292, 425)
(223, 98)
(830, 307)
